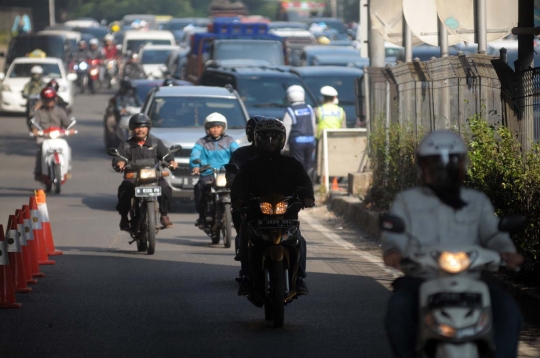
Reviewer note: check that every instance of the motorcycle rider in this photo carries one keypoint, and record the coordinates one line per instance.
(93, 51)
(126, 97)
(49, 115)
(141, 146)
(110, 50)
(80, 54)
(36, 83)
(442, 210)
(240, 157)
(214, 149)
(59, 100)
(271, 172)
(299, 121)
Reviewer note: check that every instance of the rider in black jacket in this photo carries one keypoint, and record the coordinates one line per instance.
(272, 172)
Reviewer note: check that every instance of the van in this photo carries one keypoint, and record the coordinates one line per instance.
(134, 40)
(52, 45)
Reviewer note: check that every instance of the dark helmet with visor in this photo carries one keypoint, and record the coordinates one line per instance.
(268, 131)
(140, 120)
(250, 127)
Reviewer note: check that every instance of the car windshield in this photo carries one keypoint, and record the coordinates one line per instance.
(53, 46)
(154, 56)
(190, 112)
(344, 85)
(135, 45)
(142, 89)
(267, 92)
(262, 50)
(50, 70)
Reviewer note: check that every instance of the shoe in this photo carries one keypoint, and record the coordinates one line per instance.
(124, 224)
(301, 287)
(166, 222)
(246, 287)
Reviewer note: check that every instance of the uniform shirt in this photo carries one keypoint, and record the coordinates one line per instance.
(210, 151)
(33, 87)
(432, 222)
(289, 121)
(152, 148)
(329, 116)
(56, 117)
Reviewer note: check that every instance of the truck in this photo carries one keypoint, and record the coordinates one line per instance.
(300, 10)
(232, 42)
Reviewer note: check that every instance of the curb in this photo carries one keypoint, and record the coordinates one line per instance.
(352, 210)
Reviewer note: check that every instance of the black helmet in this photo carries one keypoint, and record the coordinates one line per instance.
(53, 84)
(269, 128)
(125, 85)
(250, 126)
(139, 119)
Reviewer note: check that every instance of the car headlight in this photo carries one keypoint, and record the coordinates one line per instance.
(147, 173)
(281, 208)
(5, 88)
(54, 134)
(266, 209)
(454, 262)
(221, 181)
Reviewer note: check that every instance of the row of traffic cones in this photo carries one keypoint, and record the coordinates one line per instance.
(27, 243)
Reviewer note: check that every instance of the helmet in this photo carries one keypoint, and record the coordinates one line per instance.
(250, 126)
(442, 159)
(47, 93)
(36, 70)
(139, 119)
(53, 84)
(108, 37)
(170, 82)
(269, 129)
(94, 42)
(215, 119)
(82, 42)
(329, 91)
(125, 85)
(296, 94)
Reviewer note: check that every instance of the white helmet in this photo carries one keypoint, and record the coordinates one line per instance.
(36, 70)
(108, 37)
(329, 91)
(215, 118)
(94, 42)
(296, 94)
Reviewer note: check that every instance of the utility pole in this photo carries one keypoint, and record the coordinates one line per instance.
(52, 19)
(407, 39)
(376, 46)
(480, 25)
(333, 4)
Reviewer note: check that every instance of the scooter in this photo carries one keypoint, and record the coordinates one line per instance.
(144, 206)
(94, 74)
(55, 156)
(111, 72)
(455, 306)
(218, 222)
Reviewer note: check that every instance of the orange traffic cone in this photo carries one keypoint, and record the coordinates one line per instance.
(32, 244)
(26, 253)
(47, 232)
(37, 228)
(335, 185)
(15, 256)
(7, 291)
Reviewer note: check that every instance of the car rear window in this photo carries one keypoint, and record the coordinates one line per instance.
(50, 70)
(190, 112)
(268, 92)
(135, 45)
(263, 50)
(154, 56)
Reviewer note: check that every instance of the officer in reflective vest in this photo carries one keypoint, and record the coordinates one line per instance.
(329, 115)
(299, 121)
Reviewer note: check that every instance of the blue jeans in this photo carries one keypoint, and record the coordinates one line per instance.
(402, 319)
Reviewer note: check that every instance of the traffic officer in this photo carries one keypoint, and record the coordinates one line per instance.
(299, 121)
(329, 114)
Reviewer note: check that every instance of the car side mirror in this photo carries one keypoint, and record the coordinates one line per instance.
(511, 223)
(391, 223)
(232, 168)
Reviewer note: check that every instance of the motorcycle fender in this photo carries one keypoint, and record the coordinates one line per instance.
(225, 199)
(56, 158)
(276, 252)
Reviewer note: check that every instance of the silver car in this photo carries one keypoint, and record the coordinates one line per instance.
(178, 114)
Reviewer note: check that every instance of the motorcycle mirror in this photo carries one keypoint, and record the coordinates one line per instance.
(33, 121)
(392, 223)
(73, 121)
(511, 223)
(301, 191)
(232, 168)
(175, 148)
(197, 161)
(113, 152)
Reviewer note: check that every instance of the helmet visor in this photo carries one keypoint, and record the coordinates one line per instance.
(443, 171)
(270, 140)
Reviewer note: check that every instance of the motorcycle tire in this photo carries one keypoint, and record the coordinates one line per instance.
(141, 244)
(226, 225)
(151, 227)
(57, 181)
(48, 187)
(92, 87)
(268, 312)
(216, 235)
(278, 294)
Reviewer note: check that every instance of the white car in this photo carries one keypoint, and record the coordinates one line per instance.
(18, 75)
(153, 60)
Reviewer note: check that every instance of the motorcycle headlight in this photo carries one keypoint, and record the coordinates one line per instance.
(221, 181)
(266, 209)
(54, 134)
(6, 88)
(454, 262)
(83, 66)
(281, 208)
(110, 65)
(147, 173)
(94, 71)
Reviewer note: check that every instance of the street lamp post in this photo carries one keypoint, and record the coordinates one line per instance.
(52, 20)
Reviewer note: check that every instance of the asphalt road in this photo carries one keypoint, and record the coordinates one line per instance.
(103, 299)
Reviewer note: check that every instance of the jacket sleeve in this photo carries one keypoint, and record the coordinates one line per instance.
(287, 122)
(233, 147)
(239, 188)
(303, 180)
(235, 159)
(37, 118)
(490, 236)
(313, 121)
(195, 154)
(64, 118)
(392, 241)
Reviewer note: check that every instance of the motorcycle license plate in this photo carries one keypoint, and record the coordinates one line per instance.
(142, 191)
(275, 224)
(455, 299)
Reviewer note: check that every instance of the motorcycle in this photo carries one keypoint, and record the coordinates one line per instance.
(55, 156)
(111, 72)
(81, 68)
(31, 103)
(273, 252)
(116, 125)
(455, 306)
(94, 75)
(144, 207)
(218, 222)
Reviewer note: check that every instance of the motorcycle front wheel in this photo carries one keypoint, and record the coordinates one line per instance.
(278, 293)
(151, 227)
(57, 181)
(226, 224)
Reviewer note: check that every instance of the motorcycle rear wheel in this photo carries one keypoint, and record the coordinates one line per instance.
(57, 178)
(278, 293)
(151, 227)
(226, 224)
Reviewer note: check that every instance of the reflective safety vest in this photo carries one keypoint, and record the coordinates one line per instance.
(302, 130)
(329, 116)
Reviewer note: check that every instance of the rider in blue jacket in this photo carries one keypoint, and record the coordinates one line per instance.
(214, 149)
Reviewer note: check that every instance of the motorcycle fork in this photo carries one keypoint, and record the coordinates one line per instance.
(276, 253)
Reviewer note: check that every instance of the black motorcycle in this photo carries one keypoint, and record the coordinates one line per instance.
(273, 252)
(144, 206)
(217, 202)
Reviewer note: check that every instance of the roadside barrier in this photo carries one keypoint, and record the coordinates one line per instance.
(32, 244)
(26, 253)
(37, 228)
(7, 290)
(41, 200)
(15, 257)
